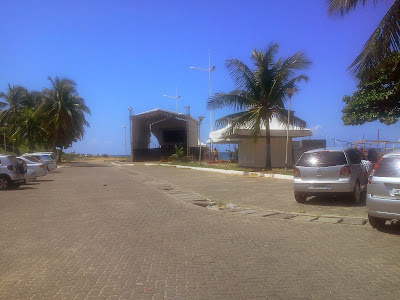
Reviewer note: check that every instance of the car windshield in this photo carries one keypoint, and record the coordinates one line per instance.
(322, 159)
(388, 167)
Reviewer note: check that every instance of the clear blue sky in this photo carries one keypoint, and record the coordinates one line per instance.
(129, 53)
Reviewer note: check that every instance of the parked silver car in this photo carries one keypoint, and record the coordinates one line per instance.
(330, 171)
(12, 171)
(44, 158)
(39, 168)
(383, 194)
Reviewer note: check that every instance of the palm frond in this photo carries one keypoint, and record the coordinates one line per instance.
(383, 41)
(282, 114)
(236, 99)
(240, 73)
(339, 8)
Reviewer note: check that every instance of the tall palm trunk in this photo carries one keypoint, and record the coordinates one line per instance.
(59, 155)
(268, 166)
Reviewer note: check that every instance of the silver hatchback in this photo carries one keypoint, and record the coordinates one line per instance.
(330, 171)
(383, 195)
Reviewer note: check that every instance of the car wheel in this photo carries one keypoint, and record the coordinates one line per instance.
(4, 183)
(357, 193)
(300, 198)
(376, 222)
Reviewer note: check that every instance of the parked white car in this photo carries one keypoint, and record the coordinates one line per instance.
(39, 168)
(44, 158)
(12, 171)
(383, 195)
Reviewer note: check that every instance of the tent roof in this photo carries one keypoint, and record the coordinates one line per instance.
(276, 129)
(158, 114)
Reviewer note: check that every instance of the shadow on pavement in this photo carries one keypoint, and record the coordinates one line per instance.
(332, 201)
(390, 229)
(21, 188)
(43, 180)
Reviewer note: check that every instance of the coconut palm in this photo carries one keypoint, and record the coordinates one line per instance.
(13, 102)
(383, 41)
(64, 113)
(28, 128)
(14, 99)
(32, 99)
(261, 93)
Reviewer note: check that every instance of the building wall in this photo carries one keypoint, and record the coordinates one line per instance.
(140, 134)
(252, 154)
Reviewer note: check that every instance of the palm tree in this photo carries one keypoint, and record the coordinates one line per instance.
(64, 113)
(383, 41)
(32, 99)
(29, 129)
(14, 99)
(260, 94)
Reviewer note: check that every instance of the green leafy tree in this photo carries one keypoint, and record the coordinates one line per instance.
(261, 93)
(384, 40)
(63, 113)
(377, 97)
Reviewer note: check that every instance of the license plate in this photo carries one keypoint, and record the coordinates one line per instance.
(319, 187)
(396, 191)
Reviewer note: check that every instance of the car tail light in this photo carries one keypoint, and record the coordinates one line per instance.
(296, 172)
(10, 167)
(345, 170)
(373, 171)
(42, 166)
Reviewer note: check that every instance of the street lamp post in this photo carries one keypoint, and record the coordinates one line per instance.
(201, 118)
(209, 70)
(126, 149)
(290, 92)
(176, 98)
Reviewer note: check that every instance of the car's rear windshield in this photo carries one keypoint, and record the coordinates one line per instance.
(322, 159)
(388, 167)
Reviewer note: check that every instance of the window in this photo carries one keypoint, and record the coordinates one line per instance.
(388, 167)
(322, 159)
(354, 156)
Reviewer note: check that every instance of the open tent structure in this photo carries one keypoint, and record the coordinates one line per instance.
(169, 128)
(252, 153)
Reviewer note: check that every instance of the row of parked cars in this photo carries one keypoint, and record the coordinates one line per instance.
(15, 171)
(336, 171)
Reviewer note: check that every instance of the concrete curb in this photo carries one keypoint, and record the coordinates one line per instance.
(230, 172)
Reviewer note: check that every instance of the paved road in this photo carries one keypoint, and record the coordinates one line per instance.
(251, 192)
(100, 232)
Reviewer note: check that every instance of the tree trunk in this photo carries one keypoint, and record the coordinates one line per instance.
(59, 155)
(268, 165)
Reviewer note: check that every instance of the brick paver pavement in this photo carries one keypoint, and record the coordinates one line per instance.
(251, 192)
(101, 233)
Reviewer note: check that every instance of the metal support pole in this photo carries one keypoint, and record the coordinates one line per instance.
(290, 92)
